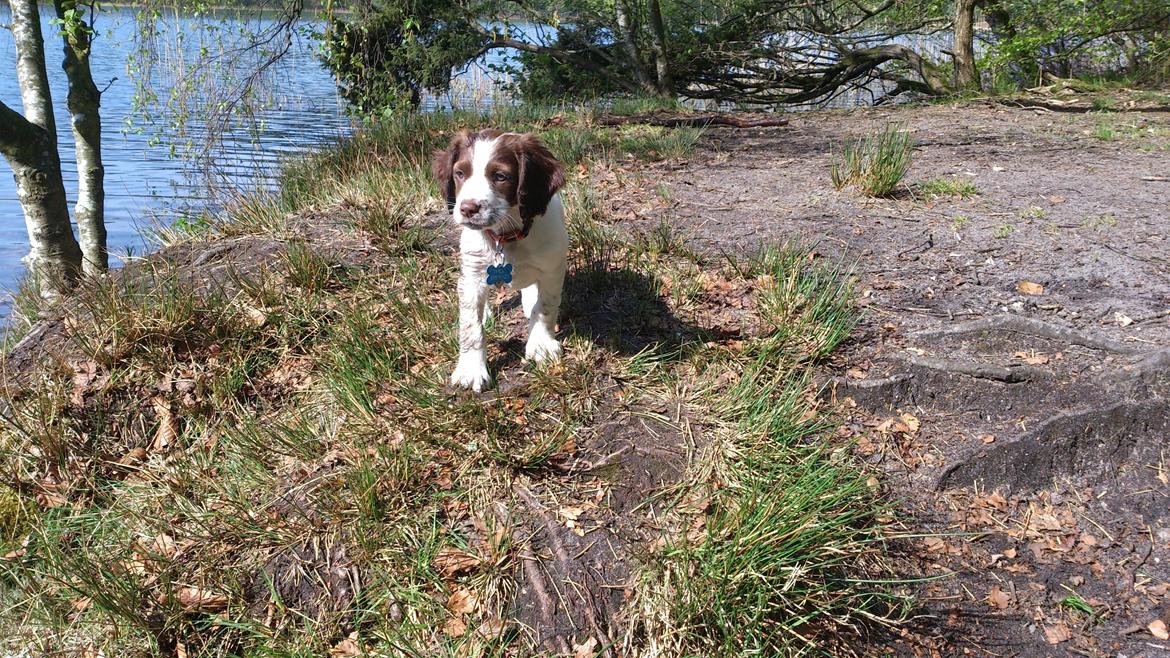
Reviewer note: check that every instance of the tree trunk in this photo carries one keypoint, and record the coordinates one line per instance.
(84, 103)
(29, 144)
(629, 31)
(966, 77)
(658, 42)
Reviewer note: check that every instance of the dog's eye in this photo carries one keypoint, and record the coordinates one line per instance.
(500, 176)
(458, 174)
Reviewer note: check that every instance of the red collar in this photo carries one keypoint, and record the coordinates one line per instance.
(506, 238)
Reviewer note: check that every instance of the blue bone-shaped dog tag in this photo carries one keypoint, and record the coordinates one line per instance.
(498, 274)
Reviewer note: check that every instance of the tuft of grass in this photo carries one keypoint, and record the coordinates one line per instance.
(1033, 212)
(791, 546)
(1002, 231)
(874, 164)
(947, 187)
(1099, 223)
(959, 222)
(1074, 602)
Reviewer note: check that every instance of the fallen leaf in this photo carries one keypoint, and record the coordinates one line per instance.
(1057, 633)
(1030, 288)
(168, 425)
(999, 598)
(912, 423)
(462, 601)
(1032, 358)
(1054, 200)
(1046, 522)
(346, 648)
(1158, 629)
(1122, 319)
(454, 627)
(491, 629)
(198, 598)
(586, 649)
(987, 438)
(451, 562)
(164, 545)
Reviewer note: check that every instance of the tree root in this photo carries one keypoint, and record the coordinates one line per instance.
(1030, 327)
(553, 531)
(1010, 375)
(544, 602)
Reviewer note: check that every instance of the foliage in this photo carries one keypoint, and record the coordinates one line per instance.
(1068, 38)
(386, 55)
(874, 164)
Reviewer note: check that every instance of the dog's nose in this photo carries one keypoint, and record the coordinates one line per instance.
(469, 207)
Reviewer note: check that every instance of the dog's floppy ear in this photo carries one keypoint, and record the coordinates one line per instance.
(539, 178)
(443, 165)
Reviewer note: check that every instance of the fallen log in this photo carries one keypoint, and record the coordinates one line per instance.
(693, 120)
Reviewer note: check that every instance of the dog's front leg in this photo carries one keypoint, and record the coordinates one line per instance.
(542, 303)
(471, 371)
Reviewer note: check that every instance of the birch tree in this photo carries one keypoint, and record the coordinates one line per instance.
(28, 142)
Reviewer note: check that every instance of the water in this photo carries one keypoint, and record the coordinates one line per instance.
(300, 108)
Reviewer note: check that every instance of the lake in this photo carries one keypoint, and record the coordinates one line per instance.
(298, 108)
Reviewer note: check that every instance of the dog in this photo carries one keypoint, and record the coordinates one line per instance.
(503, 191)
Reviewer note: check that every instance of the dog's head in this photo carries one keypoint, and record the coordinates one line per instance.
(493, 180)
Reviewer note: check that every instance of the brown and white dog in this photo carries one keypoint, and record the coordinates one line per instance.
(502, 190)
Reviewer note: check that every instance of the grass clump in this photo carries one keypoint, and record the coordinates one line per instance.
(269, 462)
(947, 187)
(874, 164)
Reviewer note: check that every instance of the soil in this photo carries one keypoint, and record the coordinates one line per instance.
(1009, 375)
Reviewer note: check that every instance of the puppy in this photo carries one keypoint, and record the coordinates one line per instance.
(502, 189)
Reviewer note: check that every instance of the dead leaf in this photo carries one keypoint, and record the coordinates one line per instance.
(198, 598)
(1032, 358)
(1046, 522)
(912, 423)
(454, 627)
(168, 425)
(1057, 633)
(1055, 199)
(462, 601)
(451, 562)
(346, 648)
(164, 545)
(491, 629)
(999, 598)
(586, 649)
(1158, 629)
(1030, 288)
(987, 438)
(1122, 319)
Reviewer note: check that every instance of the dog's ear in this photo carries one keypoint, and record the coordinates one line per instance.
(539, 178)
(443, 165)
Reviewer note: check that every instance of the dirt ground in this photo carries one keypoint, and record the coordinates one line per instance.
(1009, 377)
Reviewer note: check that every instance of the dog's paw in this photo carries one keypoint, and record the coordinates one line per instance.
(542, 348)
(471, 372)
